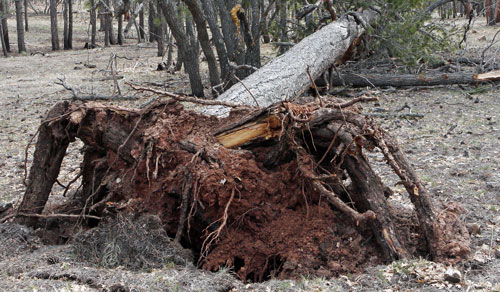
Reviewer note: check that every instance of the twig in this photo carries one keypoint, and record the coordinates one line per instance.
(70, 216)
(395, 115)
(242, 66)
(352, 102)
(359, 218)
(248, 90)
(183, 98)
(313, 85)
(76, 96)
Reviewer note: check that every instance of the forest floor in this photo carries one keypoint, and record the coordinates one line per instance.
(454, 149)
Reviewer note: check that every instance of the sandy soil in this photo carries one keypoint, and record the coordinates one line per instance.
(454, 148)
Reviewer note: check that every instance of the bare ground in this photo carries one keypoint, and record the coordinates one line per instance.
(454, 148)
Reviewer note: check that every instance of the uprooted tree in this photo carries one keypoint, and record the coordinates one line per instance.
(279, 189)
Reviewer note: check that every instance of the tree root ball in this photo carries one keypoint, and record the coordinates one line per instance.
(285, 204)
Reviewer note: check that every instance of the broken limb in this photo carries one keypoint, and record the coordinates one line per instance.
(380, 80)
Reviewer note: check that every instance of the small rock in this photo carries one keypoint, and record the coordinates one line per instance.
(323, 273)
(5, 207)
(452, 275)
(474, 228)
(483, 38)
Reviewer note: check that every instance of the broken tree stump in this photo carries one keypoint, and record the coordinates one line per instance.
(250, 191)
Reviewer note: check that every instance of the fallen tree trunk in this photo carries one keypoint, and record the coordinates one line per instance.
(402, 80)
(286, 76)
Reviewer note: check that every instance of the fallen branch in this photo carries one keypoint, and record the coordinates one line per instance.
(380, 80)
(46, 216)
(183, 98)
(92, 97)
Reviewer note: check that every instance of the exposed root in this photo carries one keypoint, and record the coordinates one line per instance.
(214, 235)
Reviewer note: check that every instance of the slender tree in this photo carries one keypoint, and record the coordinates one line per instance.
(53, 25)
(70, 25)
(65, 25)
(211, 16)
(4, 33)
(20, 26)
(2, 40)
(204, 40)
(188, 52)
(26, 15)
(151, 22)
(141, 24)
(160, 37)
(93, 24)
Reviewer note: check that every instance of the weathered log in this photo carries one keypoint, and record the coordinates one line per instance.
(285, 76)
(380, 80)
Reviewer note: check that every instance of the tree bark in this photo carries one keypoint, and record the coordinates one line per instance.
(204, 40)
(70, 24)
(160, 38)
(2, 40)
(288, 73)
(20, 29)
(47, 159)
(151, 22)
(65, 25)
(187, 51)
(379, 80)
(141, 23)
(54, 34)
(26, 28)
(120, 29)
(210, 13)
(5, 30)
(230, 34)
(93, 24)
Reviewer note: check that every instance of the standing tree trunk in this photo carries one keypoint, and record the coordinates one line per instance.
(102, 17)
(282, 26)
(160, 38)
(489, 6)
(141, 25)
(497, 12)
(20, 27)
(2, 40)
(187, 51)
(93, 23)
(65, 25)
(229, 33)
(210, 13)
(151, 22)
(120, 29)
(54, 34)
(204, 40)
(4, 32)
(253, 51)
(26, 15)
(70, 24)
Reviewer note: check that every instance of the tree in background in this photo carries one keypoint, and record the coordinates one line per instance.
(20, 27)
(4, 32)
(53, 25)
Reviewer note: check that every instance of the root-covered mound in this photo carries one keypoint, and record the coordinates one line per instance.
(297, 197)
